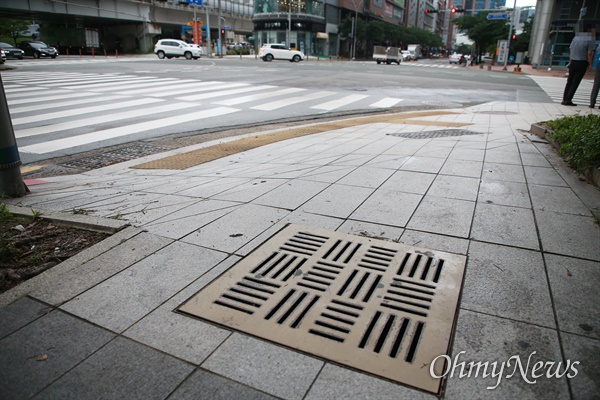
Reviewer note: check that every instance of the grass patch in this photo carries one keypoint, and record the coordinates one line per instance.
(579, 140)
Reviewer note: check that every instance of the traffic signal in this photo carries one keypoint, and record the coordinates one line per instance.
(514, 36)
(430, 11)
(455, 10)
(222, 31)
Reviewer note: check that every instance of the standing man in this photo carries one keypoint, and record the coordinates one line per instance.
(580, 61)
(596, 86)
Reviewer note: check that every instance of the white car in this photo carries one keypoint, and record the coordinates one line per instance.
(406, 56)
(275, 51)
(455, 58)
(176, 48)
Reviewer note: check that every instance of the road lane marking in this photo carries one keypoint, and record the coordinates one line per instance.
(291, 101)
(387, 102)
(344, 101)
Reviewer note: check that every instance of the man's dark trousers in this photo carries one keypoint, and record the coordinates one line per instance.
(577, 70)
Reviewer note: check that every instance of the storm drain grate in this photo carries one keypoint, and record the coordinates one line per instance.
(381, 307)
(115, 156)
(435, 134)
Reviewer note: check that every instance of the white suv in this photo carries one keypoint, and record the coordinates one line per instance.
(176, 48)
(273, 51)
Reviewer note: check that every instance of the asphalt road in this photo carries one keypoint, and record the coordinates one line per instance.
(67, 106)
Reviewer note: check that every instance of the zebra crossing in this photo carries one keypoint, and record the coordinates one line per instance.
(554, 88)
(61, 111)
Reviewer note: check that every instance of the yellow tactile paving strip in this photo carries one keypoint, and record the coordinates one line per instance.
(206, 154)
(381, 307)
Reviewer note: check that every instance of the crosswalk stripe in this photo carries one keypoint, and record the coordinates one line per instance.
(73, 141)
(39, 107)
(50, 98)
(196, 87)
(178, 88)
(259, 96)
(220, 93)
(101, 87)
(291, 101)
(85, 110)
(387, 102)
(41, 130)
(22, 89)
(25, 94)
(58, 81)
(80, 82)
(344, 101)
(110, 82)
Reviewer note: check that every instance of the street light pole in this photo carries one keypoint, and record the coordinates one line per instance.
(512, 17)
(219, 27)
(208, 43)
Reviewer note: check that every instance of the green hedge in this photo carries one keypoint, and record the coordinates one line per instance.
(579, 139)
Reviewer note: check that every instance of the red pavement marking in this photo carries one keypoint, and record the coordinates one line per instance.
(32, 182)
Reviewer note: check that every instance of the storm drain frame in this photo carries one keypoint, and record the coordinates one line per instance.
(384, 308)
(440, 133)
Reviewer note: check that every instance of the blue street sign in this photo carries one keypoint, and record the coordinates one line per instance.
(195, 2)
(226, 27)
(492, 17)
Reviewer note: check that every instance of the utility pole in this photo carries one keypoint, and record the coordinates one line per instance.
(512, 18)
(208, 43)
(219, 27)
(11, 180)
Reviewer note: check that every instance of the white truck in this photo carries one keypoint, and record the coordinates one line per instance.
(415, 51)
(387, 55)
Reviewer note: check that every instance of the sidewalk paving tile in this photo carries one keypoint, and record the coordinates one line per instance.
(290, 195)
(180, 335)
(125, 298)
(504, 193)
(409, 182)
(122, 369)
(574, 285)
(389, 161)
(214, 387)
(570, 235)
(366, 177)
(586, 383)
(559, 199)
(509, 283)
(101, 268)
(470, 169)
(334, 382)
(505, 225)
(20, 313)
(534, 159)
(503, 157)
(327, 173)
(360, 228)
(543, 176)
(443, 216)
(454, 187)
(266, 367)
(64, 341)
(237, 228)
(467, 154)
(503, 172)
(434, 241)
(423, 164)
(389, 207)
(337, 200)
(485, 338)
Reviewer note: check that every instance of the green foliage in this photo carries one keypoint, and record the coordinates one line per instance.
(11, 27)
(4, 213)
(579, 139)
(484, 33)
(463, 49)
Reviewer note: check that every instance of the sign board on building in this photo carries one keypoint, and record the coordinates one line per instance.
(195, 2)
(501, 51)
(496, 16)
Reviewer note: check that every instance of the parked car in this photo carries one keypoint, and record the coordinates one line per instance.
(37, 49)
(275, 51)
(455, 58)
(406, 56)
(200, 49)
(11, 52)
(2, 57)
(176, 48)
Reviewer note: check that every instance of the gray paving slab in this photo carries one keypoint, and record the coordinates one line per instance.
(559, 199)
(44, 350)
(335, 382)
(459, 153)
(501, 156)
(122, 369)
(488, 339)
(505, 225)
(215, 387)
(264, 366)
(574, 284)
(389, 161)
(20, 313)
(430, 165)
(543, 176)
(162, 206)
(327, 173)
(443, 216)
(467, 168)
(366, 177)
(409, 182)
(585, 376)
(434, 241)
(177, 334)
(367, 229)
(503, 172)
(251, 190)
(570, 235)
(507, 282)
(119, 302)
(237, 228)
(214, 187)
(455, 187)
(504, 193)
(534, 159)
(100, 268)
(337, 200)
(390, 207)
(291, 195)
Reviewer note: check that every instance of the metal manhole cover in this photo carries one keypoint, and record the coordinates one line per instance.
(384, 308)
(115, 156)
(496, 112)
(435, 134)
